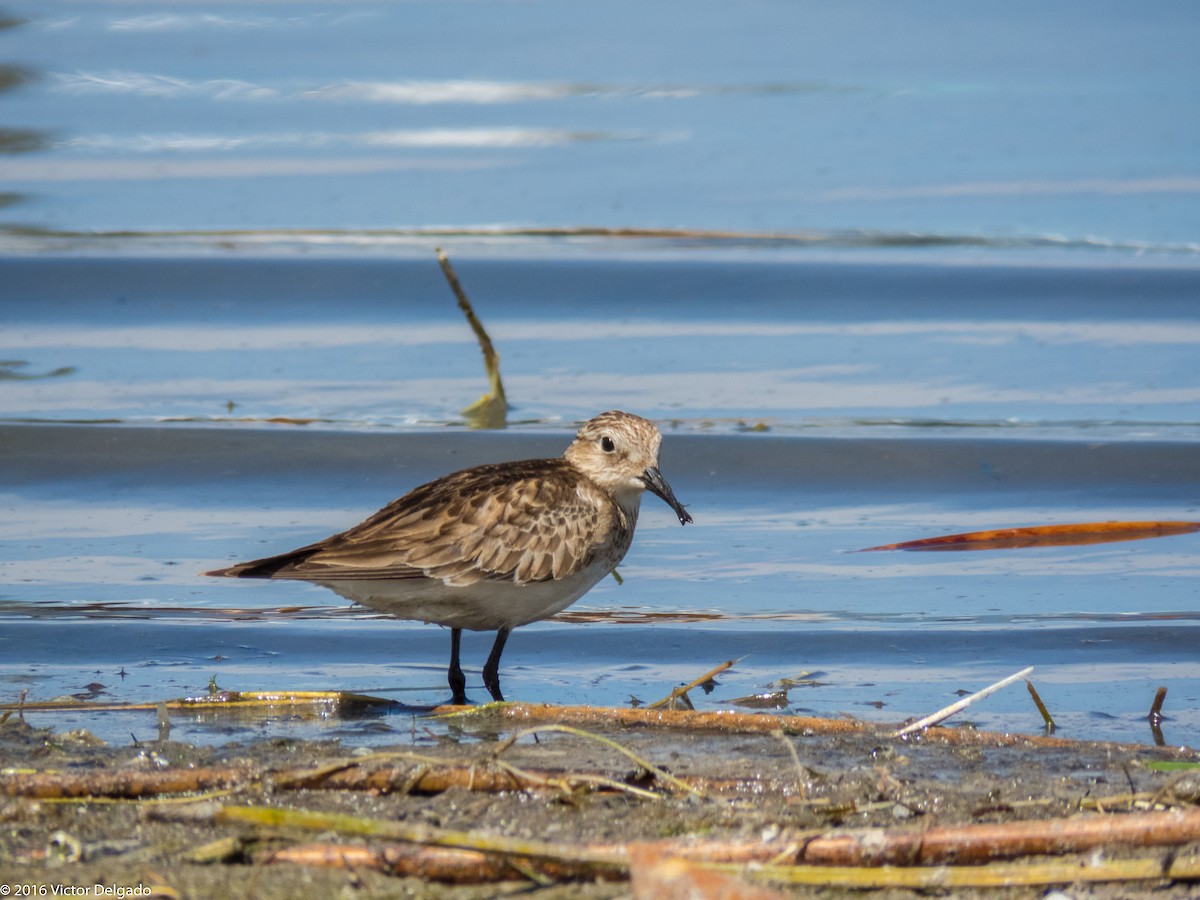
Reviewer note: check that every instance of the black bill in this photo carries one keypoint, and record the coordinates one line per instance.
(656, 484)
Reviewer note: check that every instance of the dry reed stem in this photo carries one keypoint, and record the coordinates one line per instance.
(127, 784)
(450, 866)
(991, 875)
(1041, 707)
(490, 410)
(980, 843)
(669, 700)
(801, 772)
(951, 844)
(658, 773)
(730, 722)
(424, 778)
(446, 865)
(862, 858)
(567, 783)
(294, 819)
(724, 722)
(430, 775)
(962, 704)
(1160, 697)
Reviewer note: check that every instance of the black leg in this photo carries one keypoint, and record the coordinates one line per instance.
(458, 681)
(491, 669)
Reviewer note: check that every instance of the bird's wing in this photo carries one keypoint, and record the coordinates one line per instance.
(523, 522)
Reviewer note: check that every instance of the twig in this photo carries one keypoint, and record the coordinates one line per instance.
(800, 773)
(1003, 840)
(442, 864)
(473, 867)
(866, 857)
(725, 722)
(567, 782)
(609, 742)
(425, 776)
(490, 410)
(680, 691)
(940, 878)
(307, 820)
(1037, 701)
(126, 784)
(1156, 716)
(962, 704)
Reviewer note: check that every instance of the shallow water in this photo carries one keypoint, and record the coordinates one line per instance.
(708, 342)
(886, 272)
(102, 562)
(106, 526)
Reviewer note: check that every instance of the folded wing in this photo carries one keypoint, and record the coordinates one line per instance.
(523, 522)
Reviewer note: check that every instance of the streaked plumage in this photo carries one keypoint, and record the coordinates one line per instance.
(496, 546)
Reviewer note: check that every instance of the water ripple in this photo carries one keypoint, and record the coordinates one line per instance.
(413, 91)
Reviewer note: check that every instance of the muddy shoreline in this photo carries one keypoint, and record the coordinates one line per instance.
(712, 786)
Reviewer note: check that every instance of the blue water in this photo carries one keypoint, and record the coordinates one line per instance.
(1070, 121)
(106, 529)
(810, 410)
(880, 272)
(797, 347)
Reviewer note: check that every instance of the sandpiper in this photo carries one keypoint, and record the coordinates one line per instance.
(496, 546)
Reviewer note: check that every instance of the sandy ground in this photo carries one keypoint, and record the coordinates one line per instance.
(746, 790)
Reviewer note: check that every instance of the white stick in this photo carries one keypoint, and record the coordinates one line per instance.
(961, 704)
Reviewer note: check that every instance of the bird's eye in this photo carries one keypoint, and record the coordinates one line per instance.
(607, 445)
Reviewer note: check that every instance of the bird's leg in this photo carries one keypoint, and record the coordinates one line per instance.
(458, 681)
(491, 669)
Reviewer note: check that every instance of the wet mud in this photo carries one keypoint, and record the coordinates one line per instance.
(676, 790)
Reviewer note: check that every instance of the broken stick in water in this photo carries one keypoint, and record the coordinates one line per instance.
(961, 704)
(1037, 701)
(669, 700)
(490, 410)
